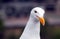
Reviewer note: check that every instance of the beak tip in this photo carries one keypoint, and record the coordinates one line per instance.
(43, 24)
(42, 20)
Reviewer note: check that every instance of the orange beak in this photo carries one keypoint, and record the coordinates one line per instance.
(42, 20)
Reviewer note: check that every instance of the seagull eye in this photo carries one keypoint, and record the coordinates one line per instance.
(35, 11)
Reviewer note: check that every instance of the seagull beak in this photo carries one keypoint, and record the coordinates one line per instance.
(42, 20)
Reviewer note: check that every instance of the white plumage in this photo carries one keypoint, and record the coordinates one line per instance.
(32, 29)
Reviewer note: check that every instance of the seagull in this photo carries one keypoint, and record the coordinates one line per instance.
(32, 29)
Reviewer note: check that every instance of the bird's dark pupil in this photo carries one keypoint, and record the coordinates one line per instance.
(35, 11)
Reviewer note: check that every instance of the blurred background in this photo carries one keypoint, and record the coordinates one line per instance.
(14, 15)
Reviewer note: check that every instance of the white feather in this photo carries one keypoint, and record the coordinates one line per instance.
(32, 29)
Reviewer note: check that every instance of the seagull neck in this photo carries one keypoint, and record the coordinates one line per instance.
(32, 29)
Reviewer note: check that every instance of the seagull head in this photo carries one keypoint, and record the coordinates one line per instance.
(38, 13)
